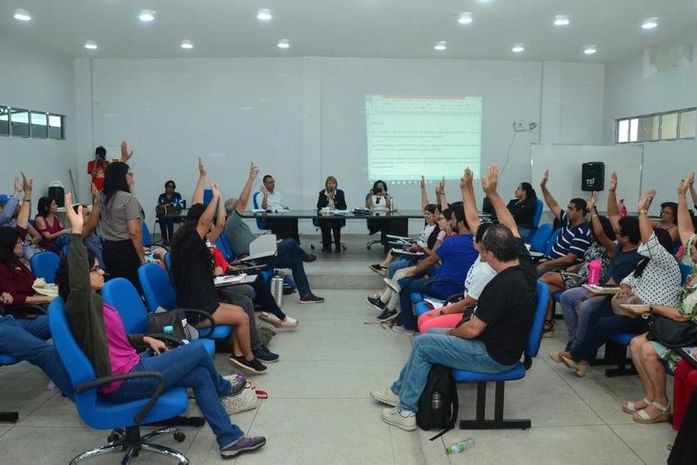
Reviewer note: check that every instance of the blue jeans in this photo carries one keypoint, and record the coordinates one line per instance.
(25, 339)
(602, 325)
(398, 265)
(409, 286)
(435, 347)
(577, 308)
(289, 254)
(188, 366)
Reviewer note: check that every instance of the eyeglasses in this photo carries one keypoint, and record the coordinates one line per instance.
(95, 269)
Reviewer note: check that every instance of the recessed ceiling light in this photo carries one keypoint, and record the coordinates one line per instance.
(146, 16)
(186, 44)
(22, 15)
(518, 48)
(465, 18)
(91, 45)
(264, 15)
(441, 45)
(650, 23)
(590, 50)
(561, 20)
(283, 43)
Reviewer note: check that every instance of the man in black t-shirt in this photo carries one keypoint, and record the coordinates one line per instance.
(492, 341)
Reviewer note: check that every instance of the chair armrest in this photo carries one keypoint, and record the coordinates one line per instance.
(140, 416)
(430, 284)
(206, 316)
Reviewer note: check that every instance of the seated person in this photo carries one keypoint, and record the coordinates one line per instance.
(379, 202)
(49, 225)
(492, 341)
(523, 206)
(97, 168)
(333, 198)
(15, 278)
(167, 201)
(272, 200)
(669, 220)
(289, 253)
(16, 215)
(99, 331)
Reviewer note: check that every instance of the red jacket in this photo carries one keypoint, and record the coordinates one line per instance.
(17, 281)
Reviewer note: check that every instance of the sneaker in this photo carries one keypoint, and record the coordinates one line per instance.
(393, 416)
(399, 329)
(392, 284)
(378, 268)
(309, 257)
(287, 324)
(386, 396)
(237, 382)
(377, 303)
(311, 299)
(244, 444)
(387, 315)
(253, 366)
(265, 355)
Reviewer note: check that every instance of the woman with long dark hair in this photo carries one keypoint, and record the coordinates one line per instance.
(15, 278)
(522, 207)
(49, 225)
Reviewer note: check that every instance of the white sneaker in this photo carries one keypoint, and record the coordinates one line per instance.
(392, 284)
(386, 396)
(392, 416)
(288, 324)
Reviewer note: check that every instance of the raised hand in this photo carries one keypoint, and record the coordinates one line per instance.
(125, 154)
(691, 179)
(545, 178)
(612, 185)
(17, 186)
(423, 182)
(592, 200)
(27, 185)
(684, 186)
(466, 181)
(201, 168)
(94, 191)
(646, 199)
(215, 190)
(253, 171)
(76, 220)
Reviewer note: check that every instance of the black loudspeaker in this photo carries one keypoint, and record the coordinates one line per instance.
(593, 176)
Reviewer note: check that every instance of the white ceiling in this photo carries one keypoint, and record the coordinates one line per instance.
(349, 28)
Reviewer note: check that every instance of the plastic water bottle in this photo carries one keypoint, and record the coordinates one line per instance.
(277, 288)
(623, 208)
(594, 271)
(460, 446)
(169, 329)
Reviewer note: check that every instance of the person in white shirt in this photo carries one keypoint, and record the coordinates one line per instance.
(272, 200)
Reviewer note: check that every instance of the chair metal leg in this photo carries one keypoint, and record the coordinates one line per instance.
(108, 449)
(498, 422)
(166, 451)
(159, 432)
(10, 417)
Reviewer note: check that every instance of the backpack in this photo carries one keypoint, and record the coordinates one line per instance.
(438, 405)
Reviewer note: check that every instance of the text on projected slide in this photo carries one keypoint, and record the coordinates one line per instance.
(411, 136)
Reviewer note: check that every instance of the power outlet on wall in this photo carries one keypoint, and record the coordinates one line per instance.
(520, 125)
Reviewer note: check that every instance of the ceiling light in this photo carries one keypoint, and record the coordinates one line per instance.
(186, 44)
(146, 16)
(650, 23)
(283, 43)
(465, 18)
(590, 50)
(264, 15)
(518, 48)
(22, 15)
(561, 20)
(441, 45)
(91, 45)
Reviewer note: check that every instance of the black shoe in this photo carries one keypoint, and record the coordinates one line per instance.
(253, 366)
(399, 320)
(326, 248)
(309, 257)
(245, 444)
(377, 303)
(311, 299)
(265, 355)
(337, 248)
(388, 315)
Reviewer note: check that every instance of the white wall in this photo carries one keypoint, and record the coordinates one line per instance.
(302, 119)
(632, 87)
(35, 79)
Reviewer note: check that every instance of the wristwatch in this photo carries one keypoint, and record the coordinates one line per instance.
(652, 310)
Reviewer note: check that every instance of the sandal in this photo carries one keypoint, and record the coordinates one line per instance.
(643, 417)
(580, 366)
(633, 407)
(548, 329)
(557, 356)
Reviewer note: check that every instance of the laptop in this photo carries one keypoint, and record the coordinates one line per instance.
(262, 247)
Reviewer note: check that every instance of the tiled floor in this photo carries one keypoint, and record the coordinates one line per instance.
(319, 411)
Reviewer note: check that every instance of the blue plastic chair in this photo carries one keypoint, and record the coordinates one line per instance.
(159, 292)
(528, 231)
(11, 417)
(517, 372)
(261, 223)
(120, 294)
(223, 244)
(146, 236)
(541, 237)
(44, 265)
(99, 413)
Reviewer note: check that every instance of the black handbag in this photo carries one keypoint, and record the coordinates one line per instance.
(673, 334)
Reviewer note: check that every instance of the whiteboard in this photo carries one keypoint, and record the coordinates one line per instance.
(564, 165)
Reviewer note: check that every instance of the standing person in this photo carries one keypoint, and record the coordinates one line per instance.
(333, 198)
(169, 200)
(272, 200)
(49, 225)
(97, 168)
(120, 221)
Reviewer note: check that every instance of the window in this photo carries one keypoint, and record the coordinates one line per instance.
(4, 121)
(55, 126)
(670, 125)
(39, 125)
(19, 122)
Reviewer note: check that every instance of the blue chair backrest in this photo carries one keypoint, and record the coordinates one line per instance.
(120, 294)
(552, 240)
(539, 206)
(157, 288)
(261, 223)
(533, 345)
(685, 271)
(168, 261)
(223, 244)
(541, 237)
(76, 363)
(147, 237)
(44, 265)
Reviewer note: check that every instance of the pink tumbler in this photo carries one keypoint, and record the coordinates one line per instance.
(594, 271)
